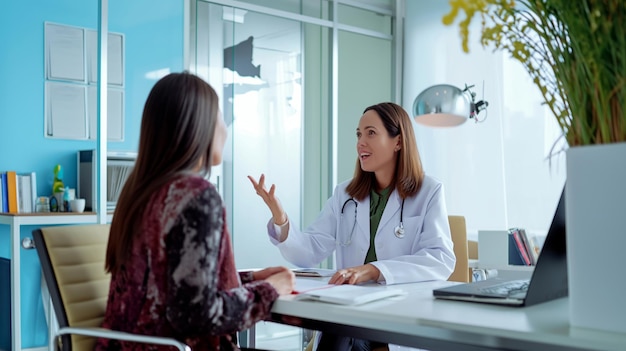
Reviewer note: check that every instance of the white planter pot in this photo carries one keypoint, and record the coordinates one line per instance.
(595, 200)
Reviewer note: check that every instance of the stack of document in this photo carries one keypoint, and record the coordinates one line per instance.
(316, 290)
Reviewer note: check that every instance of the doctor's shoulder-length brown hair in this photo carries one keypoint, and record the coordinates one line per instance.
(409, 174)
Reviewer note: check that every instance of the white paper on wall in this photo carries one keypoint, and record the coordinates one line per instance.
(66, 108)
(65, 48)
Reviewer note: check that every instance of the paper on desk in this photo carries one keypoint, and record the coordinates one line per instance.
(304, 285)
(347, 294)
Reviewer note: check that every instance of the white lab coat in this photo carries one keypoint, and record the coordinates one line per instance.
(424, 253)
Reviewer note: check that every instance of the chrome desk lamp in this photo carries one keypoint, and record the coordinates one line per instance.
(445, 105)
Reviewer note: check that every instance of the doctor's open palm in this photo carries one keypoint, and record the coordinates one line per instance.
(270, 199)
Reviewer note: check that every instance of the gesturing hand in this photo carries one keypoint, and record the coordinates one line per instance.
(279, 215)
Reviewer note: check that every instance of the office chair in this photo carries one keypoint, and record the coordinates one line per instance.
(72, 263)
(458, 232)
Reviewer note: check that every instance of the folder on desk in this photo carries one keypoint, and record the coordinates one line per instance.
(348, 294)
(313, 272)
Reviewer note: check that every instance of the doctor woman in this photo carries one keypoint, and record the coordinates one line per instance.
(388, 224)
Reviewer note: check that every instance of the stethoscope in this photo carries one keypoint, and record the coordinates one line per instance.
(398, 230)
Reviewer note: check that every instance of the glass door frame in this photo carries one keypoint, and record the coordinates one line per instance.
(396, 12)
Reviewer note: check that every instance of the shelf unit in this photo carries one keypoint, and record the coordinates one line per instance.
(15, 222)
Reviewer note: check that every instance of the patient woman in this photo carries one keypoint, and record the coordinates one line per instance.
(169, 251)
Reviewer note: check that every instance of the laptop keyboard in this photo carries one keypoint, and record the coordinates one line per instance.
(514, 287)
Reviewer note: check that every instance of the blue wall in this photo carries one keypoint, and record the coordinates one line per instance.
(153, 31)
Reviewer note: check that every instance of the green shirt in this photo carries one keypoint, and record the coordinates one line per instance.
(377, 207)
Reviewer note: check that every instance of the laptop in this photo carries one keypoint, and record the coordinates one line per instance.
(548, 281)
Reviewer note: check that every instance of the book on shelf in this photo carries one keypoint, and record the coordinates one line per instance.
(19, 192)
(529, 251)
(523, 246)
(534, 247)
(12, 192)
(4, 196)
(25, 203)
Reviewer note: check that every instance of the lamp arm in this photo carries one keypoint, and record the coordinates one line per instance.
(475, 107)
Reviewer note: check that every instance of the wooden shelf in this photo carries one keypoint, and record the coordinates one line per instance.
(47, 214)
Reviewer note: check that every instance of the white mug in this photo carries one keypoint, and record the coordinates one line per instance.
(77, 205)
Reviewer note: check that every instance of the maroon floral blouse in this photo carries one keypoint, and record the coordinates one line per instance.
(181, 279)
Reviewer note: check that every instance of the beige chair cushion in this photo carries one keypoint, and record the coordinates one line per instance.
(458, 232)
(472, 247)
(77, 255)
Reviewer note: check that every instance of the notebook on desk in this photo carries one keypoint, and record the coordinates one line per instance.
(548, 281)
(349, 294)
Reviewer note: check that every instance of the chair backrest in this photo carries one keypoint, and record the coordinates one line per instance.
(472, 247)
(458, 231)
(72, 262)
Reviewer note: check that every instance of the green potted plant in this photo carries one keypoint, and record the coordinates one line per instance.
(575, 53)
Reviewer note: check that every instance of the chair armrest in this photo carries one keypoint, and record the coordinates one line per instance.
(117, 335)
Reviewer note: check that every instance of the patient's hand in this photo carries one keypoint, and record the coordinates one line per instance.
(266, 272)
(284, 281)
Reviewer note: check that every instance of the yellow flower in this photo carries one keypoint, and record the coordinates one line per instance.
(570, 49)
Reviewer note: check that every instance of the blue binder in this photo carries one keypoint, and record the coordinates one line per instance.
(515, 257)
(4, 204)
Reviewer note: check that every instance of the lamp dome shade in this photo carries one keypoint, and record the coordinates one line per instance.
(441, 105)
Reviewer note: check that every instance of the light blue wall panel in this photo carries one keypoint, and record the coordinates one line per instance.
(153, 31)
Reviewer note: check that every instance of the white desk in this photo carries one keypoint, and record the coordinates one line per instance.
(15, 221)
(418, 320)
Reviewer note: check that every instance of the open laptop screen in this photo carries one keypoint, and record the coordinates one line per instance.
(548, 281)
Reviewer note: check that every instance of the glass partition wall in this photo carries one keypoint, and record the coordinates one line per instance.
(294, 77)
(261, 97)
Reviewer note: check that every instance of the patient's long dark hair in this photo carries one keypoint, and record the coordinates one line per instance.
(177, 129)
